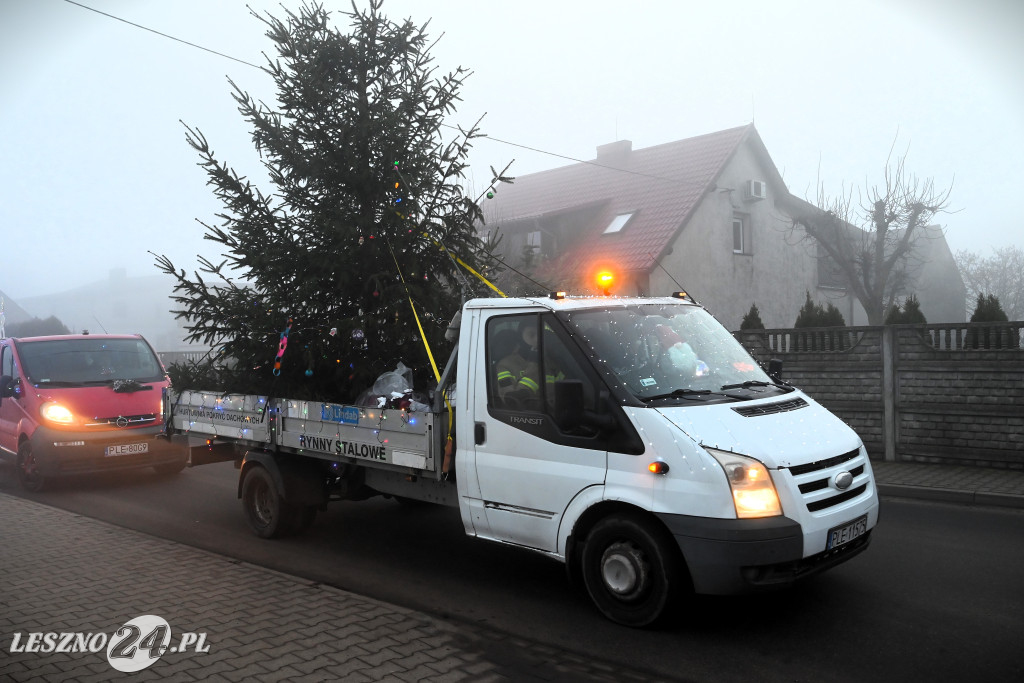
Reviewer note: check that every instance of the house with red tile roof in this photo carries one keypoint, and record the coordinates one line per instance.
(708, 215)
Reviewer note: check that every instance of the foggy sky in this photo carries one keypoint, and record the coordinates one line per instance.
(96, 172)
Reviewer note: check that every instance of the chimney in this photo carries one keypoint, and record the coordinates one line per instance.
(614, 153)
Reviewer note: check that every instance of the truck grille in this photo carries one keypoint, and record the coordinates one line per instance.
(123, 421)
(814, 480)
(772, 408)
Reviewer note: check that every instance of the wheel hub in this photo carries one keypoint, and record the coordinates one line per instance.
(623, 570)
(261, 505)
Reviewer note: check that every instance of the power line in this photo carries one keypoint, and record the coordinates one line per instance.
(504, 142)
(145, 28)
(568, 158)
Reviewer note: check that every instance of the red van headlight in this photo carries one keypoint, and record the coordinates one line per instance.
(55, 412)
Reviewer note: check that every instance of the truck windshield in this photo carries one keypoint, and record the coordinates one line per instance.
(88, 361)
(670, 351)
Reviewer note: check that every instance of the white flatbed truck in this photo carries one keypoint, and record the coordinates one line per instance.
(649, 452)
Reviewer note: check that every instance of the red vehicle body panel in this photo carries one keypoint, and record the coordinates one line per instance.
(108, 391)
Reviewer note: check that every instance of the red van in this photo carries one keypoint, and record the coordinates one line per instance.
(73, 404)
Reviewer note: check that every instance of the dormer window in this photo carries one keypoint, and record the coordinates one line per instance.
(618, 223)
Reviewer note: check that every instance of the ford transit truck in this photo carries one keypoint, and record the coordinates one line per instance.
(633, 439)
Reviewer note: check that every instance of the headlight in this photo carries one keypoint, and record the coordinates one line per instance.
(753, 493)
(55, 412)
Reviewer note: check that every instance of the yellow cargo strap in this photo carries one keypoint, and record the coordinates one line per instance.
(449, 442)
(482, 278)
(419, 326)
(466, 266)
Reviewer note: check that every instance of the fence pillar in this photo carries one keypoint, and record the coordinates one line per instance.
(889, 345)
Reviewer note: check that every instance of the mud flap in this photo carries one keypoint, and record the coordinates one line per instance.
(299, 481)
(211, 452)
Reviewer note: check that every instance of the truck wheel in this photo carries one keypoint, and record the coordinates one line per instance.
(28, 469)
(630, 570)
(269, 516)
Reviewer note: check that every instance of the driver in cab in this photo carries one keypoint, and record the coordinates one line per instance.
(519, 371)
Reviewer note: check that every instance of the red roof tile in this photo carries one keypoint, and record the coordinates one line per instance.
(661, 185)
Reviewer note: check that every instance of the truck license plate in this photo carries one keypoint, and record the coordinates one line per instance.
(844, 533)
(127, 449)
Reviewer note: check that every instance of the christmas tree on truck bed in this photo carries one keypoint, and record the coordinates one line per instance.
(339, 272)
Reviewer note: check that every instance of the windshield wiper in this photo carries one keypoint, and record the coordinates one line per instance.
(749, 383)
(678, 393)
(127, 386)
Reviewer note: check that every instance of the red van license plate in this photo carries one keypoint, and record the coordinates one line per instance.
(844, 533)
(127, 449)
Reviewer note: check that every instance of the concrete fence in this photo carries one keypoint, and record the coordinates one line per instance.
(950, 393)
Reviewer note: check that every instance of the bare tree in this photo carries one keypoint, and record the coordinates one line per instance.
(1001, 274)
(874, 243)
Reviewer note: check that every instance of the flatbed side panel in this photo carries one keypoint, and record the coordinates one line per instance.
(215, 415)
(369, 436)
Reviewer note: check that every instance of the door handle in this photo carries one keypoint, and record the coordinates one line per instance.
(479, 433)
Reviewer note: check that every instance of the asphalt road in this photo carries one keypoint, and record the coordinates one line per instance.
(937, 596)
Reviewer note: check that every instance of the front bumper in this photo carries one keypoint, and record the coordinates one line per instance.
(60, 453)
(733, 556)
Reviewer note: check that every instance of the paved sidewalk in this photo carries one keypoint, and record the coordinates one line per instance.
(950, 483)
(61, 572)
(64, 573)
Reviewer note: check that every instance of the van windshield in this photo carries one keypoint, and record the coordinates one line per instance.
(667, 351)
(88, 361)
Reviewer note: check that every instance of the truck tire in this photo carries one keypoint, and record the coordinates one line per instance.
(28, 472)
(631, 570)
(268, 514)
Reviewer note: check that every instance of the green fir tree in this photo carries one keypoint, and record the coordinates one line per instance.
(988, 310)
(752, 320)
(808, 314)
(311, 297)
(815, 315)
(907, 314)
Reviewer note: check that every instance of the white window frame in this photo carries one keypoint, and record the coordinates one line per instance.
(618, 223)
(742, 235)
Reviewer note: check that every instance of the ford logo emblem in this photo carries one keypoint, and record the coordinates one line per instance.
(122, 421)
(843, 480)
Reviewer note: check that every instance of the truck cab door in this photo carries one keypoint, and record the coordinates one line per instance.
(528, 467)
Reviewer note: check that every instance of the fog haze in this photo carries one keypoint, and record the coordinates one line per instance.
(97, 173)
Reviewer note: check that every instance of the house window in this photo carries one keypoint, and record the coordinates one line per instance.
(618, 223)
(739, 235)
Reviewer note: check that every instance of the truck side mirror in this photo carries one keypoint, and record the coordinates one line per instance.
(570, 414)
(568, 411)
(775, 369)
